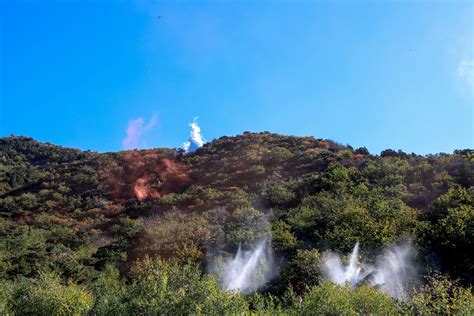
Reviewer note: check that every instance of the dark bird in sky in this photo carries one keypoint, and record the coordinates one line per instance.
(158, 17)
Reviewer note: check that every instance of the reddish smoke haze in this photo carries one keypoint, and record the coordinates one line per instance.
(145, 174)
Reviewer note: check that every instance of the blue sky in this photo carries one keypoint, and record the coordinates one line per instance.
(380, 74)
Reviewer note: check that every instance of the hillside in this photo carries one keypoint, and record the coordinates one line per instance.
(78, 214)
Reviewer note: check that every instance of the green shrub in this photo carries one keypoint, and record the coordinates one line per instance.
(160, 287)
(303, 270)
(332, 299)
(283, 239)
(109, 292)
(245, 226)
(441, 296)
(46, 295)
(279, 194)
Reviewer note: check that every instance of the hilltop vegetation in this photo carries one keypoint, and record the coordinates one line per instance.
(136, 231)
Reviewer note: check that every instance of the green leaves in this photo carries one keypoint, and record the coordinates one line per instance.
(451, 232)
(160, 287)
(47, 295)
(338, 220)
(332, 299)
(441, 296)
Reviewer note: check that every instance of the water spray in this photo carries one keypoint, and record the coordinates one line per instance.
(393, 272)
(248, 270)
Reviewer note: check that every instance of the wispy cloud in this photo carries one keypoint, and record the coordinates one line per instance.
(135, 131)
(466, 71)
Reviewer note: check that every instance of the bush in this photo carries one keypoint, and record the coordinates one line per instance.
(279, 194)
(339, 220)
(441, 296)
(283, 239)
(46, 295)
(332, 299)
(110, 292)
(160, 287)
(451, 232)
(303, 270)
(245, 226)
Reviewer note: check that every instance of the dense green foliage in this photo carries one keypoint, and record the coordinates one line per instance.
(136, 231)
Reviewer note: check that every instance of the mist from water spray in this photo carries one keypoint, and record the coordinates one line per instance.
(248, 270)
(393, 272)
(335, 271)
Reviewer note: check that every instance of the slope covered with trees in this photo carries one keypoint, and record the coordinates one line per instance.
(137, 231)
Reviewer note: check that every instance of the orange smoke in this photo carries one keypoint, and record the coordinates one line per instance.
(142, 191)
(145, 174)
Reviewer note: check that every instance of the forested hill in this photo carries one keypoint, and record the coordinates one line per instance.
(78, 213)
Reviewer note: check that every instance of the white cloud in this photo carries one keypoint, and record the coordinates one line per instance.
(135, 131)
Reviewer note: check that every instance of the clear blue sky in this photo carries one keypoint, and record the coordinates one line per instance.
(384, 74)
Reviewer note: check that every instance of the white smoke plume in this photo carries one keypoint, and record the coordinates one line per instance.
(248, 270)
(394, 271)
(195, 140)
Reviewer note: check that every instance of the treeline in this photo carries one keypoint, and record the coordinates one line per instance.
(136, 231)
